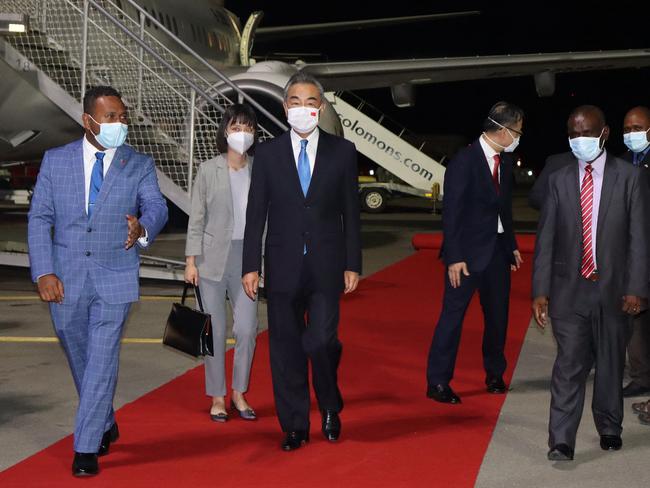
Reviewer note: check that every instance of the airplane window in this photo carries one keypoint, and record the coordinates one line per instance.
(147, 21)
(161, 17)
(153, 14)
(210, 39)
(169, 22)
(193, 32)
(175, 25)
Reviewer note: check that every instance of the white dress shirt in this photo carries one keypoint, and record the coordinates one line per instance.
(89, 161)
(598, 173)
(489, 155)
(312, 146)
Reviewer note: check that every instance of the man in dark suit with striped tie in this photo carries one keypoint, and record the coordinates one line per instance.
(479, 250)
(589, 275)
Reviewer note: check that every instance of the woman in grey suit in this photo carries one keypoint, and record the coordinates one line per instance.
(215, 234)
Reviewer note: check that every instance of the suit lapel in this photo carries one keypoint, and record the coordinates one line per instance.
(78, 173)
(322, 154)
(122, 155)
(609, 182)
(484, 168)
(573, 191)
(223, 174)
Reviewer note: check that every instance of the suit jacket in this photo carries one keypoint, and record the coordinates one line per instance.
(472, 207)
(326, 221)
(211, 221)
(621, 239)
(62, 238)
(645, 163)
(552, 164)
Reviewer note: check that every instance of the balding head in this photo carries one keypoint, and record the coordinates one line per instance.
(587, 121)
(637, 119)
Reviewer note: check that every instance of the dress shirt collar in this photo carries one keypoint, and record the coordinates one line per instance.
(487, 149)
(598, 164)
(312, 138)
(90, 150)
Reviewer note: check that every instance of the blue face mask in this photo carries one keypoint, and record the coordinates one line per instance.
(586, 148)
(111, 135)
(636, 141)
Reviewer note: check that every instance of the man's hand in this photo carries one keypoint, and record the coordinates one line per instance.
(631, 304)
(540, 311)
(251, 281)
(136, 231)
(518, 260)
(351, 279)
(454, 271)
(50, 288)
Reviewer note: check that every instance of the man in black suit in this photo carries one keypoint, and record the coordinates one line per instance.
(313, 253)
(479, 250)
(589, 275)
(636, 126)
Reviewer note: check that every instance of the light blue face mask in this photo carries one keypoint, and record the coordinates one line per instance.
(636, 141)
(586, 148)
(111, 135)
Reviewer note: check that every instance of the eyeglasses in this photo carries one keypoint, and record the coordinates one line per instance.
(514, 130)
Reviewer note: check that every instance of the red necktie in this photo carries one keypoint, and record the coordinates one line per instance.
(495, 171)
(586, 207)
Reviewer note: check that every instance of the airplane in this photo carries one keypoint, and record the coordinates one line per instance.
(217, 35)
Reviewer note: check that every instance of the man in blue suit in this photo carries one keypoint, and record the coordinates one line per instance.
(479, 250)
(83, 227)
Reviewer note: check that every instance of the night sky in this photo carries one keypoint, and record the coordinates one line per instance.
(459, 107)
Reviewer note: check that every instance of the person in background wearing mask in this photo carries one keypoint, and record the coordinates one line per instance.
(215, 243)
(589, 275)
(636, 125)
(306, 182)
(94, 199)
(479, 250)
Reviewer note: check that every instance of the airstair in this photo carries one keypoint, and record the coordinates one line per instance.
(407, 168)
(175, 97)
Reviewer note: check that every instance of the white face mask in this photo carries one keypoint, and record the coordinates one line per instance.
(586, 148)
(303, 119)
(515, 140)
(240, 141)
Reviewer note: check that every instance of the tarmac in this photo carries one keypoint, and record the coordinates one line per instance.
(38, 399)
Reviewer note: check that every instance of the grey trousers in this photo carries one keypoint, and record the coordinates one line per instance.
(244, 312)
(638, 350)
(588, 337)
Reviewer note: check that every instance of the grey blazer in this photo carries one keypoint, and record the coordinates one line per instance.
(621, 240)
(211, 222)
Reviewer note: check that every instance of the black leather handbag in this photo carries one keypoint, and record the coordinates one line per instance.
(189, 330)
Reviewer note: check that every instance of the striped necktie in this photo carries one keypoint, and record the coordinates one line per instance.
(96, 180)
(586, 207)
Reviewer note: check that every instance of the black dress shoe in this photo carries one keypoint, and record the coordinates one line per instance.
(331, 425)
(495, 384)
(85, 464)
(560, 452)
(611, 442)
(633, 389)
(443, 394)
(110, 436)
(295, 440)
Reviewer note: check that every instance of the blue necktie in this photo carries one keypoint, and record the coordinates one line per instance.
(96, 179)
(304, 172)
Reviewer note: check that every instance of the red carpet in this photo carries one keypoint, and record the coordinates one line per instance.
(392, 435)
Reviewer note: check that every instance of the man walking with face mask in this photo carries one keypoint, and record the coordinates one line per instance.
(305, 183)
(94, 199)
(636, 126)
(479, 250)
(590, 273)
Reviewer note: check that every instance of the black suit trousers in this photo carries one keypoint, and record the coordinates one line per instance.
(493, 285)
(588, 337)
(303, 327)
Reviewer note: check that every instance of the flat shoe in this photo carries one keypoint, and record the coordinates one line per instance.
(641, 407)
(246, 414)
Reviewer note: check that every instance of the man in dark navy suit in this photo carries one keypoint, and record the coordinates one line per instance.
(305, 182)
(479, 250)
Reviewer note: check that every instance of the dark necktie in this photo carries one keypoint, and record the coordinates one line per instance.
(96, 180)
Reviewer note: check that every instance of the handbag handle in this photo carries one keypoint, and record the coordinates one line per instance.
(197, 294)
